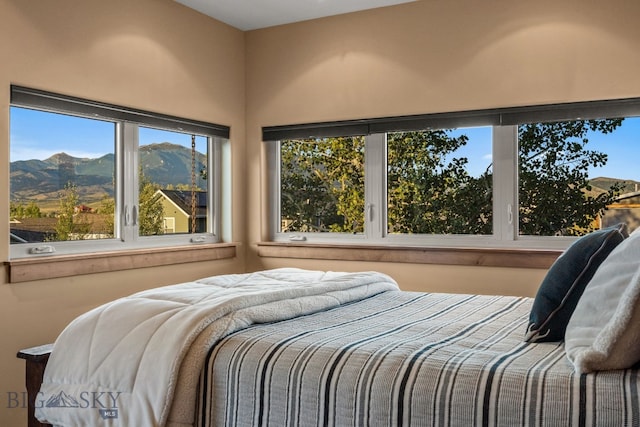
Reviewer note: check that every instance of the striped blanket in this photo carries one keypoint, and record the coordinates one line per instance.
(408, 359)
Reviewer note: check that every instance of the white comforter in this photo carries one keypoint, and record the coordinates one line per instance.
(135, 361)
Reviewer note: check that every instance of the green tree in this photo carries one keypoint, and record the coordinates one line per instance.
(107, 210)
(555, 194)
(323, 184)
(69, 225)
(150, 208)
(18, 210)
(430, 190)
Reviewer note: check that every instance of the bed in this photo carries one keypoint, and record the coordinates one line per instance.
(407, 359)
(291, 347)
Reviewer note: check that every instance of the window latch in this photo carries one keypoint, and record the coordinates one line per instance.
(369, 212)
(42, 250)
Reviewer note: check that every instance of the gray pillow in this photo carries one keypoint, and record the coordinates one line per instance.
(566, 280)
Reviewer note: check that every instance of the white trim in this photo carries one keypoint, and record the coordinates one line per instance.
(126, 198)
(375, 186)
(505, 196)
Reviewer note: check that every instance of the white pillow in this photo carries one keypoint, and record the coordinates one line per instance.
(604, 330)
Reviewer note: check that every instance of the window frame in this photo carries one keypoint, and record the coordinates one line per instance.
(504, 122)
(127, 121)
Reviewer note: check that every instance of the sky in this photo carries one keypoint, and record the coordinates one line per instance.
(78, 137)
(622, 147)
(57, 133)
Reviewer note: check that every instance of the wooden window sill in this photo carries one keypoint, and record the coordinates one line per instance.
(49, 267)
(489, 257)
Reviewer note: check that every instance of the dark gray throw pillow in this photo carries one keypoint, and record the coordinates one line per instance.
(565, 281)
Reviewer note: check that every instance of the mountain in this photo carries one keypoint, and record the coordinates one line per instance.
(602, 184)
(165, 163)
(41, 180)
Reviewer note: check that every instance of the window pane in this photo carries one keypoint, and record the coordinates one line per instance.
(61, 177)
(577, 176)
(172, 190)
(322, 185)
(440, 181)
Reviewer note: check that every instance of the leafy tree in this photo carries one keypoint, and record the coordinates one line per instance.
(69, 225)
(107, 210)
(555, 194)
(323, 184)
(150, 208)
(18, 210)
(432, 193)
(430, 190)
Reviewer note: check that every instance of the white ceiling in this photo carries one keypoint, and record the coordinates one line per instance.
(253, 14)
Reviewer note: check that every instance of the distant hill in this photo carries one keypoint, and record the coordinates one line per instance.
(167, 163)
(41, 180)
(602, 184)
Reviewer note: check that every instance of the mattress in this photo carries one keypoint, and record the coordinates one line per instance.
(407, 359)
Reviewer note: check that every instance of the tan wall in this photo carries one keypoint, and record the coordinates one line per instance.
(150, 54)
(433, 56)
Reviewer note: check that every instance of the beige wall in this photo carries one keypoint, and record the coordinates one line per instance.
(149, 54)
(434, 56)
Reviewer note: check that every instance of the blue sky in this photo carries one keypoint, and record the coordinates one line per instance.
(78, 137)
(622, 147)
(93, 138)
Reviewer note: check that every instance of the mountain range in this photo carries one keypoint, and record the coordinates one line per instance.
(41, 180)
(601, 184)
(162, 163)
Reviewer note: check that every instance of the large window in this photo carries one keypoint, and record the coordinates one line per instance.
(322, 185)
(439, 182)
(172, 181)
(61, 177)
(86, 176)
(519, 177)
(574, 174)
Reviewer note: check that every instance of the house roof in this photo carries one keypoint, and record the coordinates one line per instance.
(628, 195)
(182, 200)
(625, 200)
(39, 229)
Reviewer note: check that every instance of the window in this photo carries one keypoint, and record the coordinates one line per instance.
(172, 181)
(86, 176)
(322, 185)
(517, 177)
(62, 177)
(568, 169)
(439, 182)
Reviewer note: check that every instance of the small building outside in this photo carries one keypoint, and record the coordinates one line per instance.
(626, 208)
(177, 211)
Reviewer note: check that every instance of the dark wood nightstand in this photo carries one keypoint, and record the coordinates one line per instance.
(36, 358)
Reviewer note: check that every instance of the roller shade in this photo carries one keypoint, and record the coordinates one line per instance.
(48, 101)
(492, 117)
